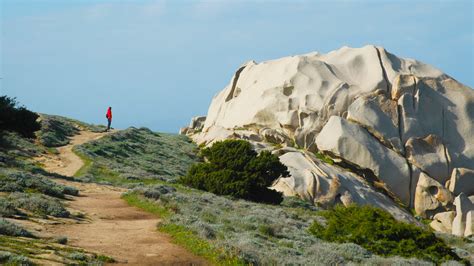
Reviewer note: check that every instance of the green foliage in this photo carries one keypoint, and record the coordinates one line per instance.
(17, 118)
(324, 158)
(136, 155)
(192, 242)
(8, 258)
(55, 131)
(378, 232)
(235, 169)
(180, 234)
(20, 181)
(10, 229)
(7, 209)
(133, 199)
(39, 204)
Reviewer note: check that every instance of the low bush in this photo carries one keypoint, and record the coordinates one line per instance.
(7, 209)
(10, 229)
(8, 258)
(18, 181)
(56, 131)
(378, 232)
(38, 204)
(235, 169)
(17, 118)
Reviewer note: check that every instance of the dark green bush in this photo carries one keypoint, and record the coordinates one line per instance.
(378, 232)
(17, 118)
(235, 169)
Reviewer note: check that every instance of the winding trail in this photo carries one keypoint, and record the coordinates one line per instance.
(112, 227)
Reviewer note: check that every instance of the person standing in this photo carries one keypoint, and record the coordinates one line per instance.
(109, 118)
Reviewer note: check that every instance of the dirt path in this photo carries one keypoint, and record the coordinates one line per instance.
(113, 228)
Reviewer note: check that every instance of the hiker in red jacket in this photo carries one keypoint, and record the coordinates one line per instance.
(109, 118)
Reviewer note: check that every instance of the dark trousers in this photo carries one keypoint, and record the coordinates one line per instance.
(109, 121)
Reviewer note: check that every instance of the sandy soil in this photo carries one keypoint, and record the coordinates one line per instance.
(112, 227)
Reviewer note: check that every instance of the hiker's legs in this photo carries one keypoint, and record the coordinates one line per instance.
(108, 124)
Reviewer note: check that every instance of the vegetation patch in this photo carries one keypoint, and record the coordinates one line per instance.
(56, 130)
(43, 252)
(17, 118)
(38, 204)
(378, 232)
(234, 168)
(137, 155)
(15, 180)
(182, 236)
(324, 158)
(10, 229)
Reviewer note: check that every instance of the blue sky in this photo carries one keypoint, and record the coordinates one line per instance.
(158, 63)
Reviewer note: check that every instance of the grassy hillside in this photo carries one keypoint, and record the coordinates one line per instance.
(137, 155)
(220, 228)
(29, 194)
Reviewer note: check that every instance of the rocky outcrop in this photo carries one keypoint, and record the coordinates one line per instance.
(462, 181)
(401, 125)
(443, 222)
(429, 154)
(326, 185)
(354, 144)
(431, 197)
(196, 125)
(463, 207)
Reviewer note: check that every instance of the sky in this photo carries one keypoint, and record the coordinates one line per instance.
(159, 63)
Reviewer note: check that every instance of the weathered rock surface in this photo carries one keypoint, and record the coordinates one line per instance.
(389, 119)
(354, 144)
(326, 185)
(429, 154)
(443, 221)
(379, 116)
(430, 196)
(462, 180)
(463, 207)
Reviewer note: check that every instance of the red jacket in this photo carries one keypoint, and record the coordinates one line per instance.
(109, 113)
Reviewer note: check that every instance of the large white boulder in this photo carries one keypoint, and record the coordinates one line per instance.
(326, 185)
(398, 119)
(355, 145)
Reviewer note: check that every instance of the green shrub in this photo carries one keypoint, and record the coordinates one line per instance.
(17, 118)
(8, 258)
(55, 131)
(10, 229)
(235, 169)
(378, 232)
(12, 180)
(39, 204)
(7, 209)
